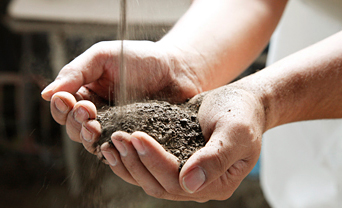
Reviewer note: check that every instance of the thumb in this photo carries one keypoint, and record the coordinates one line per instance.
(86, 68)
(218, 158)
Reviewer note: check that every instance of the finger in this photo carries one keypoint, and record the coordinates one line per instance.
(82, 111)
(85, 93)
(163, 166)
(90, 134)
(165, 169)
(197, 99)
(85, 69)
(113, 159)
(138, 171)
(209, 163)
(61, 104)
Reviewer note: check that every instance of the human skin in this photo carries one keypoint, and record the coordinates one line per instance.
(303, 86)
(201, 53)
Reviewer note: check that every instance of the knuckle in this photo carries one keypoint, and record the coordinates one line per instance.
(73, 131)
(60, 119)
(130, 165)
(228, 185)
(67, 67)
(224, 196)
(173, 190)
(73, 138)
(201, 200)
(220, 160)
(175, 198)
(97, 46)
(100, 44)
(157, 193)
(90, 148)
(98, 49)
(67, 70)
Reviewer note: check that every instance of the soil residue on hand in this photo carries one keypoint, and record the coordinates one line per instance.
(175, 127)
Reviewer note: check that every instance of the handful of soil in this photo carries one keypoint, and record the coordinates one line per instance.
(175, 127)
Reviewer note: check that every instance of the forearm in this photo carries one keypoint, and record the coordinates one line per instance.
(304, 86)
(227, 35)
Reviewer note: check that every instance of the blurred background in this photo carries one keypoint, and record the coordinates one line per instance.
(39, 165)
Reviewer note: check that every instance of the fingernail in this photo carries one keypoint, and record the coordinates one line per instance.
(110, 158)
(48, 91)
(86, 134)
(138, 145)
(120, 147)
(81, 115)
(194, 180)
(60, 105)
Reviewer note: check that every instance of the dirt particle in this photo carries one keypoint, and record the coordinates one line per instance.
(175, 127)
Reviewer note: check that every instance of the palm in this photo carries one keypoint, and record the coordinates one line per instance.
(149, 71)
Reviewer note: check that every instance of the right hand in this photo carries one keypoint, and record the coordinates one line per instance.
(154, 70)
(232, 119)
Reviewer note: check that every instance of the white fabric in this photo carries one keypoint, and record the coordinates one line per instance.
(301, 163)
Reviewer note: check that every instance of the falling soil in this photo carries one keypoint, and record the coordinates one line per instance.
(175, 127)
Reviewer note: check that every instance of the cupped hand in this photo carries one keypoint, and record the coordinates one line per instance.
(232, 120)
(154, 70)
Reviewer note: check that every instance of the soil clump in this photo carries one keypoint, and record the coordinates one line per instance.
(174, 126)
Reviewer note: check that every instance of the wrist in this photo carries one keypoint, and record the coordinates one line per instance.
(187, 68)
(258, 90)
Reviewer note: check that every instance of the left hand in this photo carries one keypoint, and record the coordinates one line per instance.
(232, 120)
(154, 69)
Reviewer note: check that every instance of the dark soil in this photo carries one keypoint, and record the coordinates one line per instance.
(175, 127)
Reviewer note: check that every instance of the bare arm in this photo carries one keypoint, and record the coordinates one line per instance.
(304, 86)
(226, 34)
(209, 46)
(212, 43)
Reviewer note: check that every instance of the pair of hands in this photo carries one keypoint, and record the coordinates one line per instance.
(231, 117)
